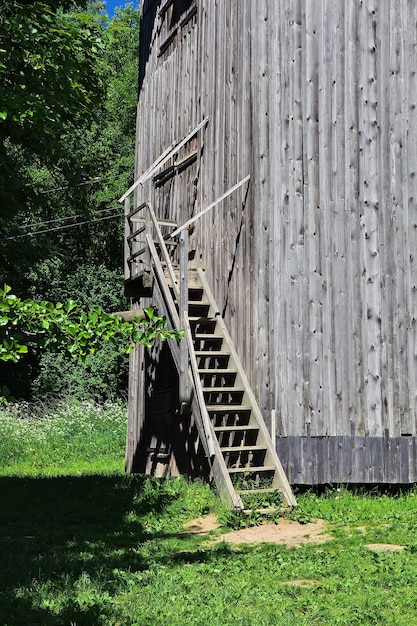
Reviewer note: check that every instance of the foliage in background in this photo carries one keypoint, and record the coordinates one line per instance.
(66, 241)
(48, 81)
(62, 437)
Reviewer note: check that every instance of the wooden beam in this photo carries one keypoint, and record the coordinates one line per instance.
(210, 206)
(184, 387)
(163, 158)
(129, 316)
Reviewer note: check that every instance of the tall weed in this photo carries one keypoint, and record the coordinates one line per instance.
(69, 436)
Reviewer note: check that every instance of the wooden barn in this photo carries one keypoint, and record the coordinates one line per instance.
(274, 216)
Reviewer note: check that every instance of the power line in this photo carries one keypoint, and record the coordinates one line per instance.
(51, 230)
(68, 217)
(92, 181)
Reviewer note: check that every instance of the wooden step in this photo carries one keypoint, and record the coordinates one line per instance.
(213, 371)
(267, 511)
(191, 303)
(224, 389)
(255, 491)
(229, 429)
(195, 307)
(219, 353)
(217, 377)
(223, 395)
(203, 341)
(228, 408)
(202, 319)
(243, 448)
(251, 470)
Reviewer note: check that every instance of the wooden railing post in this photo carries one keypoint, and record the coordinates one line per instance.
(127, 234)
(184, 383)
(148, 231)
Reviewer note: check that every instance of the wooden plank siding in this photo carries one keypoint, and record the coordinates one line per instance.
(314, 264)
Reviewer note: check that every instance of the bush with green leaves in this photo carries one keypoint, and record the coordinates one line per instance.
(66, 326)
(99, 377)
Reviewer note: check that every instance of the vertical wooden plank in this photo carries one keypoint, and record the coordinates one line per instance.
(345, 455)
(368, 186)
(398, 217)
(409, 188)
(334, 459)
(260, 182)
(322, 300)
(184, 385)
(353, 355)
(376, 462)
(294, 467)
(126, 244)
(312, 358)
(404, 461)
(338, 262)
(411, 179)
(290, 299)
(387, 286)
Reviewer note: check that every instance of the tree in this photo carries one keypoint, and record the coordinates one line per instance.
(75, 177)
(48, 79)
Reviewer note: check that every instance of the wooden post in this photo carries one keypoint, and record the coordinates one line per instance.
(129, 316)
(184, 386)
(127, 233)
(274, 427)
(148, 231)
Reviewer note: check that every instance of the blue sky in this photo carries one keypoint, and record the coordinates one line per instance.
(111, 4)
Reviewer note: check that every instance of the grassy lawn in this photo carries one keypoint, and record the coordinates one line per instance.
(80, 546)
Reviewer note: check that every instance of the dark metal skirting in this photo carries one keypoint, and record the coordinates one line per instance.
(372, 460)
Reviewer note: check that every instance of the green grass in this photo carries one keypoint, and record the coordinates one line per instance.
(110, 549)
(67, 437)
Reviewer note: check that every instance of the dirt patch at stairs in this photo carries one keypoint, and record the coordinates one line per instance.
(286, 532)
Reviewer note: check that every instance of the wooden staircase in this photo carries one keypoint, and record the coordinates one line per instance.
(241, 454)
(246, 467)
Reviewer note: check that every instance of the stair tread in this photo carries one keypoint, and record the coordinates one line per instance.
(242, 448)
(202, 319)
(208, 336)
(257, 468)
(230, 429)
(211, 353)
(266, 490)
(217, 370)
(224, 389)
(267, 511)
(228, 407)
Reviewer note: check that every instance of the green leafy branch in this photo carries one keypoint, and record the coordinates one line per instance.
(67, 326)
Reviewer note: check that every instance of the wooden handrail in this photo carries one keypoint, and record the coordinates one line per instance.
(163, 158)
(211, 206)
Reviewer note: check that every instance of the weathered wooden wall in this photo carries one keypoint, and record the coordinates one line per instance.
(315, 266)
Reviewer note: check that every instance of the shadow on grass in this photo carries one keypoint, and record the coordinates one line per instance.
(55, 531)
